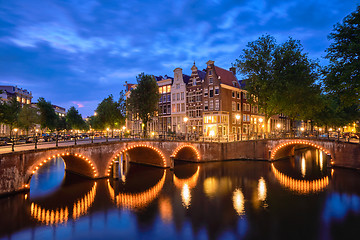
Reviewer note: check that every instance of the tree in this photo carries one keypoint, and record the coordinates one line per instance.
(27, 118)
(61, 124)
(343, 73)
(256, 63)
(74, 119)
(10, 113)
(144, 99)
(295, 90)
(110, 113)
(48, 116)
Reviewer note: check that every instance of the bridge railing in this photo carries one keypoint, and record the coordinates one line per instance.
(21, 144)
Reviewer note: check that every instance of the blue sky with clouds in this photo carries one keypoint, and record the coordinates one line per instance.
(77, 52)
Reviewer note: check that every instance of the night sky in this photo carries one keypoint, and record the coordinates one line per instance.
(77, 52)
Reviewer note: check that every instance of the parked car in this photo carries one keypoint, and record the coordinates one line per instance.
(4, 141)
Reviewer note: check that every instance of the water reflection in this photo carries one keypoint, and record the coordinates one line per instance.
(223, 200)
(238, 202)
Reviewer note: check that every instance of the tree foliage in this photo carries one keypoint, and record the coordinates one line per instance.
(48, 116)
(144, 99)
(342, 75)
(110, 113)
(74, 119)
(27, 118)
(295, 91)
(9, 113)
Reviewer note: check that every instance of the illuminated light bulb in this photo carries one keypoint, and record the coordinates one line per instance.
(41, 164)
(33, 171)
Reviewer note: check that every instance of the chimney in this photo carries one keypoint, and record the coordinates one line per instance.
(233, 70)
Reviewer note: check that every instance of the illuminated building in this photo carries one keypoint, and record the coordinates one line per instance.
(178, 101)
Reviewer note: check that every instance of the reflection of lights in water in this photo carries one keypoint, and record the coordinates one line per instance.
(262, 189)
(238, 202)
(321, 160)
(191, 181)
(300, 186)
(80, 207)
(137, 200)
(210, 186)
(186, 196)
(165, 209)
(303, 166)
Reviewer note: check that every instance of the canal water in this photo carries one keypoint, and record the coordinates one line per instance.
(294, 198)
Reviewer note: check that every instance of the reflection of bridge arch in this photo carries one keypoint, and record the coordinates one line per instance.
(191, 181)
(76, 163)
(62, 214)
(300, 186)
(137, 200)
(296, 142)
(182, 153)
(133, 156)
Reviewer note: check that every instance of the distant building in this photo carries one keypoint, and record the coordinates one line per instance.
(162, 124)
(21, 95)
(60, 111)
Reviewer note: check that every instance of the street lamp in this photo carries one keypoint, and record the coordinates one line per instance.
(185, 120)
(237, 116)
(13, 142)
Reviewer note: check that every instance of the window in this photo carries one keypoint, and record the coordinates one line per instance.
(234, 119)
(211, 92)
(211, 107)
(168, 88)
(206, 92)
(183, 107)
(173, 96)
(178, 107)
(238, 106)
(233, 94)
(160, 90)
(217, 90)
(233, 129)
(244, 118)
(160, 100)
(210, 72)
(217, 106)
(211, 81)
(248, 118)
(168, 109)
(164, 110)
(206, 105)
(178, 96)
(233, 106)
(177, 86)
(182, 95)
(168, 98)
(173, 108)
(238, 95)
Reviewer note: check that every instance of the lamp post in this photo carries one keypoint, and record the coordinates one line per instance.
(237, 116)
(261, 125)
(185, 120)
(36, 137)
(13, 142)
(107, 134)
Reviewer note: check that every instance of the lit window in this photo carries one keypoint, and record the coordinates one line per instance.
(217, 104)
(160, 90)
(168, 88)
(206, 92)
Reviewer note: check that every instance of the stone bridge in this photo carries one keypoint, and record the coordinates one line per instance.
(96, 160)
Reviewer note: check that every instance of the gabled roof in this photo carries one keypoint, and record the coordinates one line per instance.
(186, 78)
(227, 77)
(201, 74)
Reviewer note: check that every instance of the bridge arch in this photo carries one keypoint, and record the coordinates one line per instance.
(76, 163)
(186, 152)
(136, 153)
(61, 214)
(137, 200)
(285, 146)
(298, 185)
